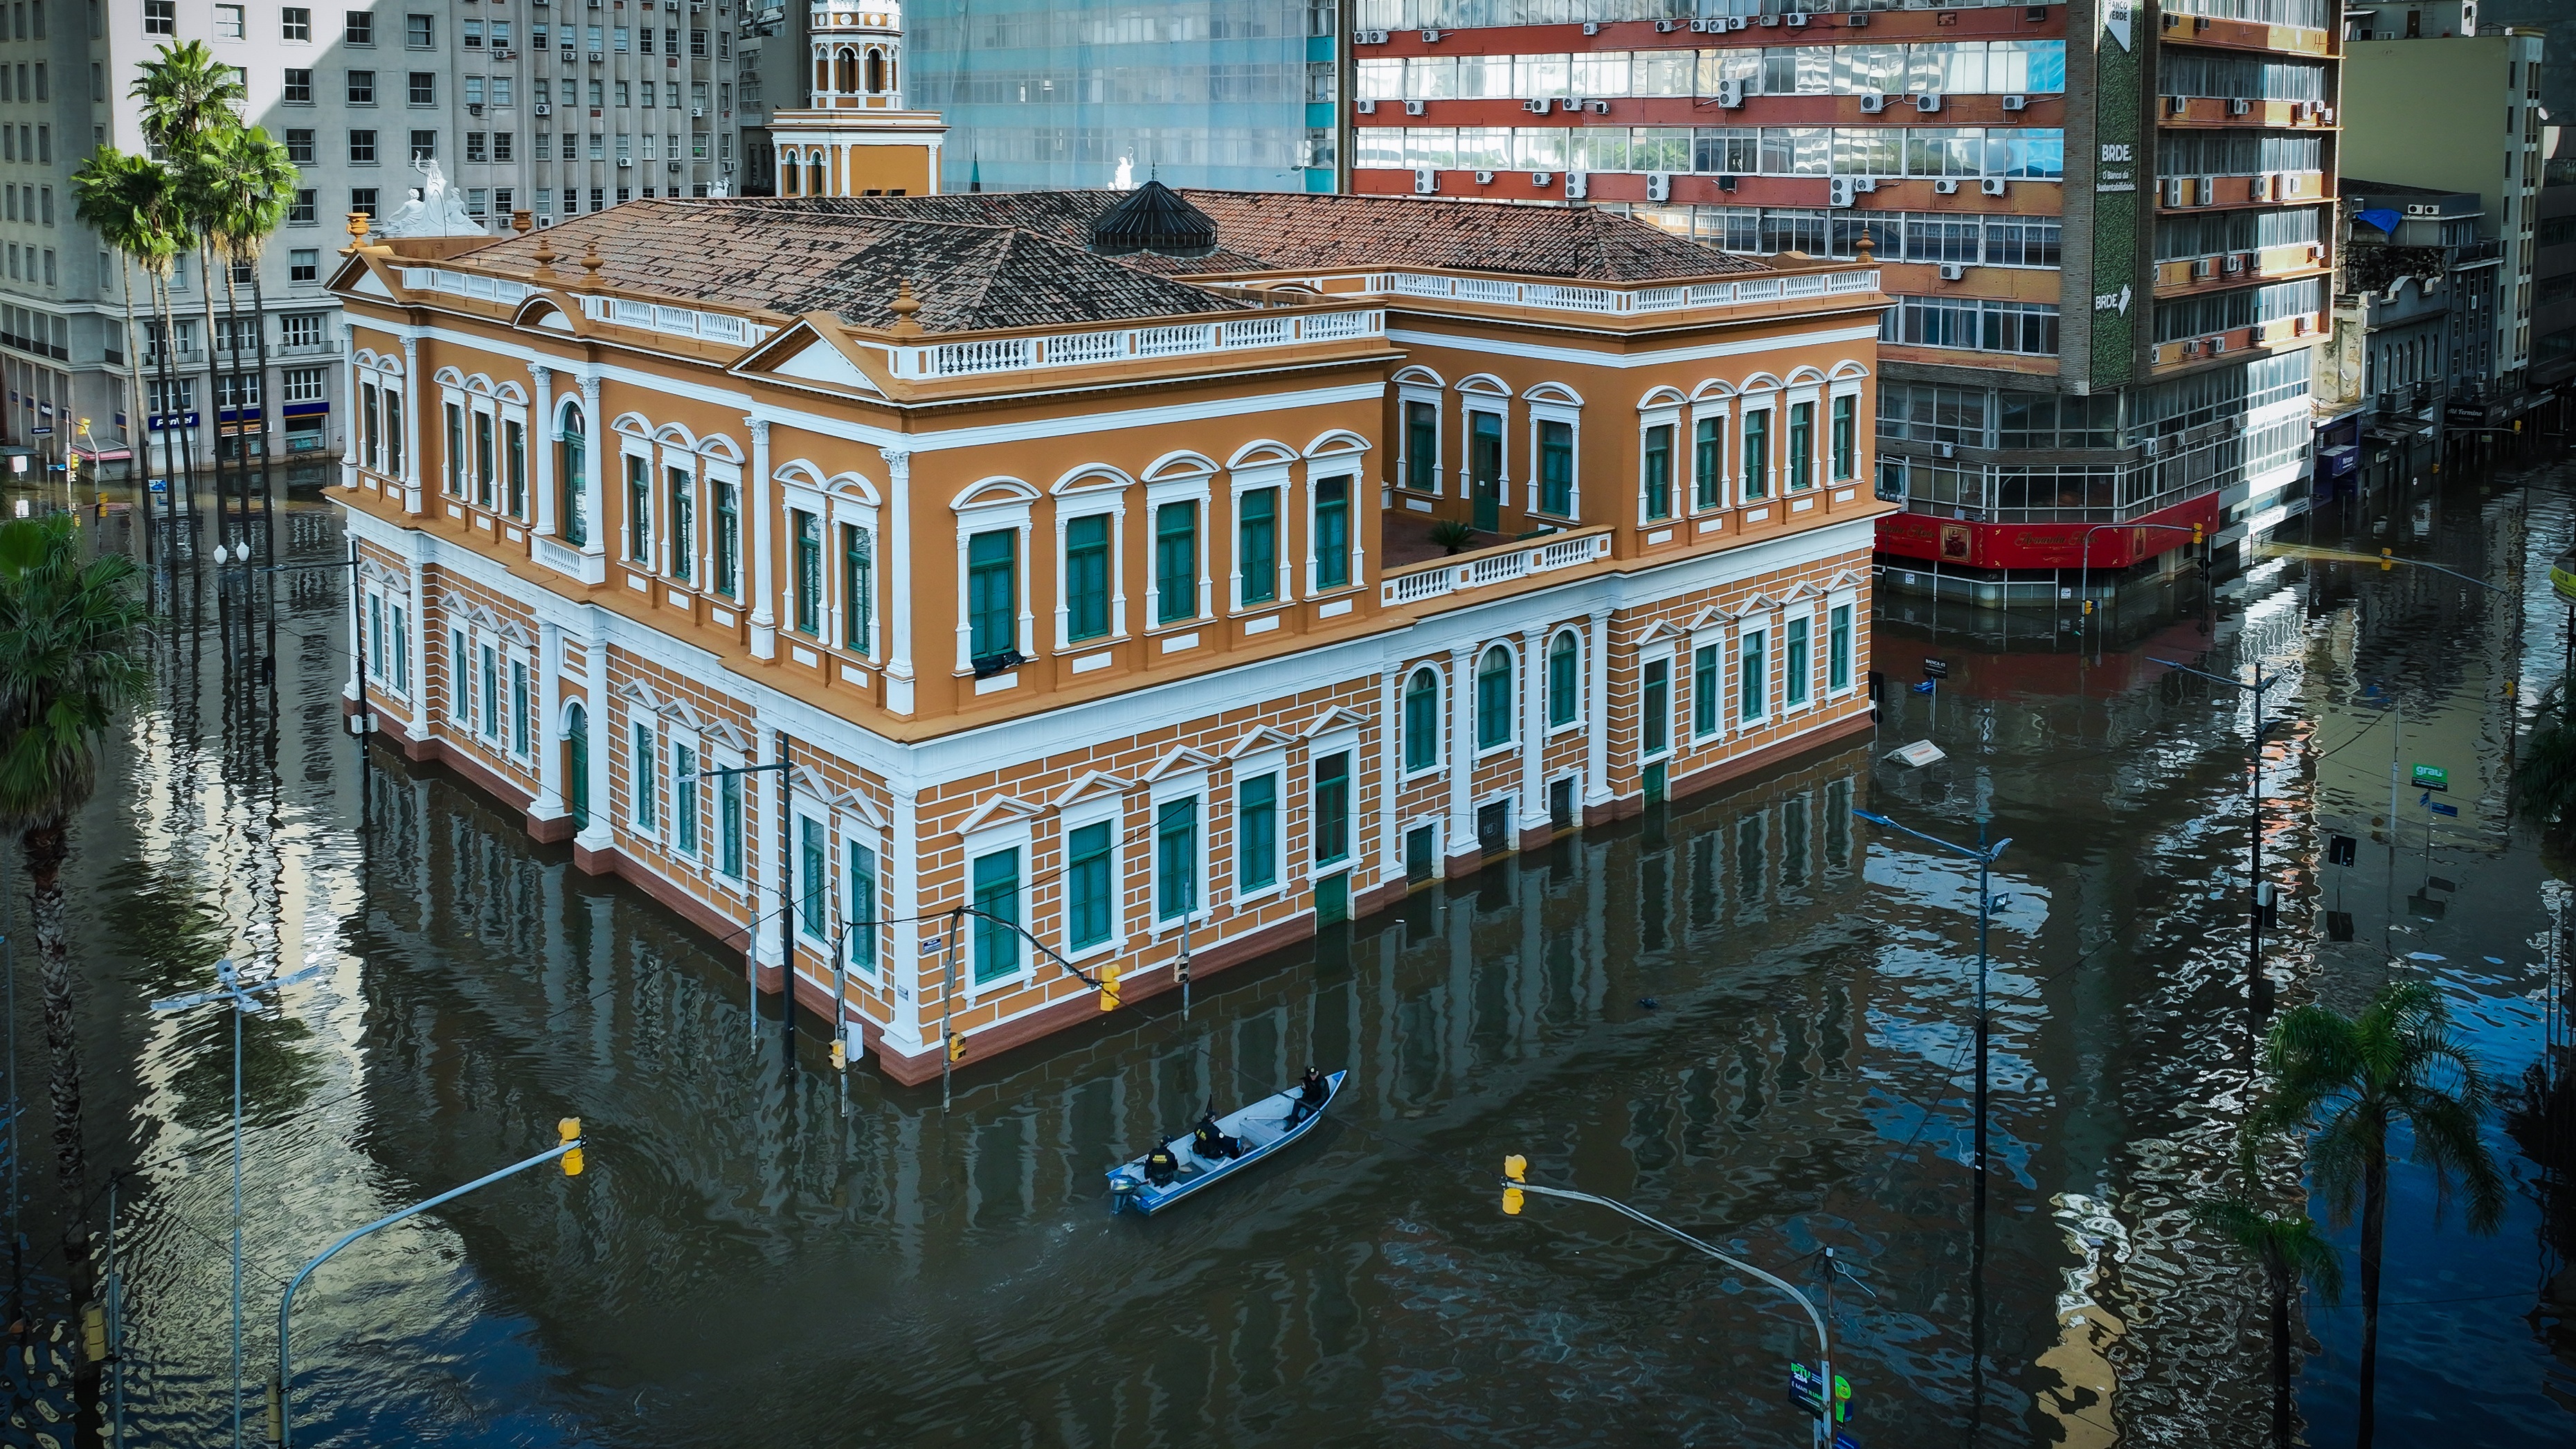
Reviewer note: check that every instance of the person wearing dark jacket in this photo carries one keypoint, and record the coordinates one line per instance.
(1212, 1143)
(1311, 1093)
(1162, 1164)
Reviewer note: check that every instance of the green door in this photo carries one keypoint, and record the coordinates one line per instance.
(1333, 899)
(1485, 468)
(577, 769)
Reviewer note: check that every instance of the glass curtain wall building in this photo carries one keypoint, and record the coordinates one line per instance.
(1238, 94)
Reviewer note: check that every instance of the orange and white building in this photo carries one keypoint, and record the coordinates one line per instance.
(1131, 566)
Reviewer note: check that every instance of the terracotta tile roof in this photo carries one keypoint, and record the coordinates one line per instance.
(806, 255)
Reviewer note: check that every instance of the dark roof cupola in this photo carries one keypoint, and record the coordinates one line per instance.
(1153, 218)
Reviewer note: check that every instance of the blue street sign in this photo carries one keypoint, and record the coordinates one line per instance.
(1925, 687)
(2441, 809)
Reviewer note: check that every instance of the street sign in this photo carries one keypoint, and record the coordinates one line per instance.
(2432, 777)
(1936, 668)
(1925, 687)
(2339, 850)
(2438, 808)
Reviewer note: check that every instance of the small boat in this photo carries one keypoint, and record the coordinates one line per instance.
(1262, 1128)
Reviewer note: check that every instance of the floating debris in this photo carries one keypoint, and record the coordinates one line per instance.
(2424, 956)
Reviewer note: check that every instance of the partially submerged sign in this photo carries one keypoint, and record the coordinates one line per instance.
(1917, 754)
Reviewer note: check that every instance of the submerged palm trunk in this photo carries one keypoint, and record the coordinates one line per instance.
(2276, 1272)
(267, 458)
(138, 464)
(214, 383)
(2374, 1236)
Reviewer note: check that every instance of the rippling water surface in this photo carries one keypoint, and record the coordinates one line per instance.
(765, 1251)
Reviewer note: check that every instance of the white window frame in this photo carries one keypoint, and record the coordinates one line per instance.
(1434, 394)
(845, 512)
(513, 413)
(1582, 681)
(675, 740)
(712, 471)
(1093, 498)
(1185, 785)
(1013, 514)
(1472, 401)
(1773, 441)
(664, 546)
(1728, 484)
(1768, 628)
(1441, 702)
(973, 847)
(634, 715)
(462, 464)
(1320, 467)
(1196, 488)
(1863, 429)
(1674, 700)
(1716, 636)
(1077, 816)
(1663, 415)
(1815, 659)
(1273, 763)
(1843, 599)
(482, 405)
(628, 447)
(1251, 478)
(1820, 447)
(851, 829)
(798, 814)
(1476, 698)
(1545, 411)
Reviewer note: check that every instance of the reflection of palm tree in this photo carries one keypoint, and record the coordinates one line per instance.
(68, 631)
(2544, 783)
(2291, 1252)
(2352, 1078)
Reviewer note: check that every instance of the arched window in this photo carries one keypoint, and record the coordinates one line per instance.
(847, 63)
(572, 448)
(577, 764)
(815, 184)
(1494, 698)
(1422, 720)
(788, 175)
(876, 71)
(1564, 673)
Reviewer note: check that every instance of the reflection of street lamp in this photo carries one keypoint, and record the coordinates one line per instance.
(751, 930)
(230, 991)
(2084, 576)
(1516, 1182)
(283, 1390)
(2256, 993)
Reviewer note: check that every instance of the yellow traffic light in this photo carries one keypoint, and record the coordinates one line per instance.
(2196, 535)
(94, 1332)
(1109, 985)
(957, 1046)
(1515, 1168)
(276, 1411)
(2387, 559)
(569, 1129)
(840, 1055)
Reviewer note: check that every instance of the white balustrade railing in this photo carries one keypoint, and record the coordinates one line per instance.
(1430, 581)
(1076, 349)
(1559, 297)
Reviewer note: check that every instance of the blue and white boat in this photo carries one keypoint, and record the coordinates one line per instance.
(1263, 1128)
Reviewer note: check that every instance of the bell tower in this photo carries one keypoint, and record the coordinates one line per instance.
(854, 137)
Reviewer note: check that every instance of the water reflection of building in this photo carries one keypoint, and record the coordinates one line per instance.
(1143, 568)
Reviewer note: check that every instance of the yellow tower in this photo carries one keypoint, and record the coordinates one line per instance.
(855, 138)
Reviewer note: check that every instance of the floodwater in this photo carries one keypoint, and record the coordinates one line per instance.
(1749, 1015)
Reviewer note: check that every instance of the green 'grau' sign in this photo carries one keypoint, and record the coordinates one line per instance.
(2432, 777)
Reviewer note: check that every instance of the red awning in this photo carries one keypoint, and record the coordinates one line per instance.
(105, 455)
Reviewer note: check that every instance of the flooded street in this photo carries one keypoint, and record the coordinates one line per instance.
(1748, 1014)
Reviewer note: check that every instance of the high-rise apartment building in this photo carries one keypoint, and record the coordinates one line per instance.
(552, 108)
(2444, 102)
(1054, 93)
(2107, 230)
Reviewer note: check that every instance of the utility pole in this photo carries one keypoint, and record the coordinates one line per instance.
(2258, 989)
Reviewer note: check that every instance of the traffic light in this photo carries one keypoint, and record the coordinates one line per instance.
(276, 1410)
(569, 1129)
(957, 1046)
(2387, 559)
(1109, 985)
(2197, 538)
(94, 1331)
(840, 1055)
(1515, 1168)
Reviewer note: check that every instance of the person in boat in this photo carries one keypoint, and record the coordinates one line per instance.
(1212, 1143)
(1310, 1097)
(1162, 1164)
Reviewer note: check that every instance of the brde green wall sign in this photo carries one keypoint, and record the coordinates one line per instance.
(2115, 194)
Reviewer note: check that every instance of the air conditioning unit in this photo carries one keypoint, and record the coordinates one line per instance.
(1945, 187)
(2308, 109)
(2299, 325)
(1797, 20)
(1372, 37)
(568, 56)
(1365, 108)
(1770, 20)
(673, 167)
(505, 55)
(1592, 27)
(1577, 186)
(1541, 178)
(2206, 189)
(1569, 104)
(2034, 15)
(1928, 102)
(2153, 446)
(1535, 108)
(2176, 189)
(2234, 264)
(1726, 183)
(1730, 93)
(1659, 186)
(2202, 270)
(1872, 102)
(2199, 23)
(596, 57)
(475, 109)
(624, 162)
(1953, 271)
(1598, 108)
(1667, 27)
(1992, 186)
(1856, 19)
(1431, 37)
(1414, 108)
(1426, 181)
(1838, 191)
(2239, 107)
(1864, 183)
(2191, 349)
(2217, 345)
(2177, 105)
(1484, 178)
(2286, 186)
(2316, 252)
(697, 113)
(2325, 115)
(544, 109)
(2262, 188)
(1735, 22)
(2016, 103)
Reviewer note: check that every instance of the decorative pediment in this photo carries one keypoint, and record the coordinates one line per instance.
(819, 361)
(1847, 579)
(1657, 632)
(1705, 617)
(381, 576)
(639, 695)
(1259, 737)
(1805, 590)
(1758, 604)
(858, 806)
(1336, 718)
(999, 810)
(723, 733)
(1092, 786)
(1182, 758)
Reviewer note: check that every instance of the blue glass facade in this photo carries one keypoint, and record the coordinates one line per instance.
(1237, 94)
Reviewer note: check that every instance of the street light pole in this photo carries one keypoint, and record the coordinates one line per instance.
(569, 1149)
(2084, 576)
(751, 932)
(1516, 1181)
(231, 992)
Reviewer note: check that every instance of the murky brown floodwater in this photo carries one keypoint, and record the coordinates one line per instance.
(764, 1252)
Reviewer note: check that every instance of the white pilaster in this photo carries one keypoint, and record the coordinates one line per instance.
(1462, 749)
(541, 441)
(764, 615)
(594, 462)
(902, 945)
(594, 709)
(549, 804)
(898, 554)
(1596, 712)
(1533, 806)
(416, 396)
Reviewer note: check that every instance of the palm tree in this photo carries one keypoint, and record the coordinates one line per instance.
(69, 627)
(2351, 1079)
(240, 184)
(123, 198)
(187, 97)
(2291, 1252)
